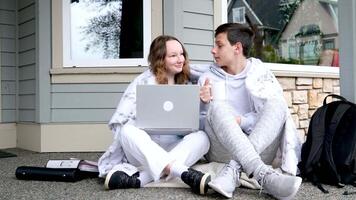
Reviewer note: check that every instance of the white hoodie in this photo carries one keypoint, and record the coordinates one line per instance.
(236, 95)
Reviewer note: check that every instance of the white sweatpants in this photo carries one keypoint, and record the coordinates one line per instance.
(228, 141)
(155, 152)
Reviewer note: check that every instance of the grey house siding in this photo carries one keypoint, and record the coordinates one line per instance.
(8, 60)
(192, 22)
(26, 60)
(85, 102)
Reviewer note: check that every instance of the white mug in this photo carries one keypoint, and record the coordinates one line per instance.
(218, 91)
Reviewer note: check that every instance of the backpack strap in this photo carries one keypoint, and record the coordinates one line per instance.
(335, 120)
(328, 143)
(334, 123)
(317, 138)
(334, 96)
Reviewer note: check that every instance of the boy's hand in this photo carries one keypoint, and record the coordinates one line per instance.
(238, 120)
(205, 92)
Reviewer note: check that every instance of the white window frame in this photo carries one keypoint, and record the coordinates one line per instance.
(122, 62)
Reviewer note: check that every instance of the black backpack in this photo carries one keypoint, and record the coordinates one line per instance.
(329, 153)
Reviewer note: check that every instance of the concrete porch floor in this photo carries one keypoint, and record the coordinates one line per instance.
(12, 188)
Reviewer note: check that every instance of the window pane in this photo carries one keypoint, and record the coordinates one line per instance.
(106, 29)
(239, 15)
(95, 29)
(292, 31)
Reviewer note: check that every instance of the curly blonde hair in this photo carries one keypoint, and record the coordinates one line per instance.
(156, 59)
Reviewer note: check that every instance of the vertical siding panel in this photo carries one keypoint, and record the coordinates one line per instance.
(8, 5)
(7, 61)
(26, 60)
(24, 3)
(7, 31)
(44, 63)
(8, 45)
(26, 14)
(7, 17)
(8, 73)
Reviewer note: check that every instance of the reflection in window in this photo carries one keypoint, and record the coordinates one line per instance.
(329, 44)
(293, 53)
(99, 26)
(239, 14)
(105, 32)
(95, 29)
(291, 31)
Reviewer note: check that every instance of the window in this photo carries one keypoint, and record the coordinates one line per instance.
(239, 15)
(293, 53)
(285, 29)
(329, 44)
(106, 33)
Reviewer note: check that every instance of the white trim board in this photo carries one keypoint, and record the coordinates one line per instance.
(288, 70)
(7, 135)
(64, 137)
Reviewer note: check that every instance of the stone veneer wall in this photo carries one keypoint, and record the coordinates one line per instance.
(305, 95)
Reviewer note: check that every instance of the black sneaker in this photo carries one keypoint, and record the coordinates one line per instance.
(196, 180)
(121, 180)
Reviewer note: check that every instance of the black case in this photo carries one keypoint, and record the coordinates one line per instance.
(48, 174)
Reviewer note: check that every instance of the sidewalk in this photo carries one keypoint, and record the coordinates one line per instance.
(11, 188)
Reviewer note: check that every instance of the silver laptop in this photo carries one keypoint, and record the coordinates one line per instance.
(167, 109)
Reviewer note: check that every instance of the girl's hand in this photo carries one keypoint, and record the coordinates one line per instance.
(205, 92)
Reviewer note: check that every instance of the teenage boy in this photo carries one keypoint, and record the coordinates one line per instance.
(251, 128)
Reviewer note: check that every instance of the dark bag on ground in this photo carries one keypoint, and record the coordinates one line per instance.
(52, 174)
(329, 153)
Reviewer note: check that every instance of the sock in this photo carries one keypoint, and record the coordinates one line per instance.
(177, 170)
(145, 178)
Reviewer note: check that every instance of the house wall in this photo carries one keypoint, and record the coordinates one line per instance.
(8, 51)
(26, 60)
(193, 23)
(8, 73)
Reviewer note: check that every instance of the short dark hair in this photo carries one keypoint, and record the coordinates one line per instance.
(236, 32)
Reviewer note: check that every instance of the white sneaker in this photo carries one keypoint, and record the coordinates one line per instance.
(279, 185)
(227, 179)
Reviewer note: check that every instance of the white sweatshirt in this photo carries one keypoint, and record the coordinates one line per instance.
(235, 94)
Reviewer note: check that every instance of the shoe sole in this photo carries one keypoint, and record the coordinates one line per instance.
(218, 189)
(107, 179)
(204, 183)
(297, 185)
